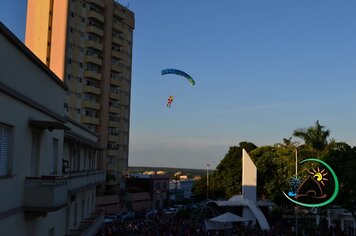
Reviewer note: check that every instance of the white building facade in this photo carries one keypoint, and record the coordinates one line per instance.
(49, 165)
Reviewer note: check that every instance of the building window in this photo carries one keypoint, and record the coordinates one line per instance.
(88, 206)
(75, 215)
(54, 156)
(5, 136)
(83, 208)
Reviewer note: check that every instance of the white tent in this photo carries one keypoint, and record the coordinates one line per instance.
(227, 218)
(223, 221)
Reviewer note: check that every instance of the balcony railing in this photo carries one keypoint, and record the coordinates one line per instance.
(93, 59)
(91, 104)
(91, 89)
(113, 123)
(49, 193)
(117, 39)
(90, 120)
(118, 68)
(93, 44)
(95, 30)
(96, 15)
(92, 74)
(97, 2)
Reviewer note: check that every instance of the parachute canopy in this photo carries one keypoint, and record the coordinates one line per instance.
(179, 72)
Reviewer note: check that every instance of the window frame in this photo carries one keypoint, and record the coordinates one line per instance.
(10, 145)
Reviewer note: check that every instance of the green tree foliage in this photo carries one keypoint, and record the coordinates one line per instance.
(315, 137)
(342, 158)
(274, 166)
(277, 164)
(226, 180)
(199, 189)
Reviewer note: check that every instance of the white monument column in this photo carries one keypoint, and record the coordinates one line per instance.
(249, 177)
(249, 185)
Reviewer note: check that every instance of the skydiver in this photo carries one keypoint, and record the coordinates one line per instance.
(170, 100)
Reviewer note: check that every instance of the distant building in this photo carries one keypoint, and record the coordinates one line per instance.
(340, 218)
(157, 186)
(139, 201)
(88, 45)
(181, 189)
(49, 164)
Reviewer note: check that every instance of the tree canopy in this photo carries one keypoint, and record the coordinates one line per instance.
(276, 164)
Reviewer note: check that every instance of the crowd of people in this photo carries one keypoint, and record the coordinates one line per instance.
(155, 225)
(170, 225)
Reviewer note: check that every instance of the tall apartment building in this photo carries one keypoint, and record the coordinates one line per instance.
(88, 45)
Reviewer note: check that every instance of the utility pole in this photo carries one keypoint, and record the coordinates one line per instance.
(296, 162)
(207, 181)
(296, 207)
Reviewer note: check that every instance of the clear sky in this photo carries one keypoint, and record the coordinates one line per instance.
(263, 68)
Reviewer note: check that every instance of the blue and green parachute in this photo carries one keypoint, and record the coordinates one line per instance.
(180, 73)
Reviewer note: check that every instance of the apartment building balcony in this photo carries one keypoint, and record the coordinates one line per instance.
(117, 68)
(115, 81)
(91, 89)
(114, 124)
(95, 30)
(99, 3)
(114, 109)
(118, 40)
(96, 15)
(92, 74)
(93, 59)
(90, 120)
(50, 193)
(93, 44)
(91, 105)
(119, 54)
(119, 13)
(90, 225)
(115, 96)
(117, 26)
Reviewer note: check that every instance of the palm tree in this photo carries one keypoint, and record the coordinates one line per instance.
(314, 136)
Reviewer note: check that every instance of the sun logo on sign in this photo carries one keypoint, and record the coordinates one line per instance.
(308, 192)
(319, 175)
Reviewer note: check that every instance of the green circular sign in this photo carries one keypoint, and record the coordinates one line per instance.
(336, 189)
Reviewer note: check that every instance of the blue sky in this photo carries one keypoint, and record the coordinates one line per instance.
(262, 69)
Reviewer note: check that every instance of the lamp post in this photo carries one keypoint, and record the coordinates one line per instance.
(296, 207)
(207, 181)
